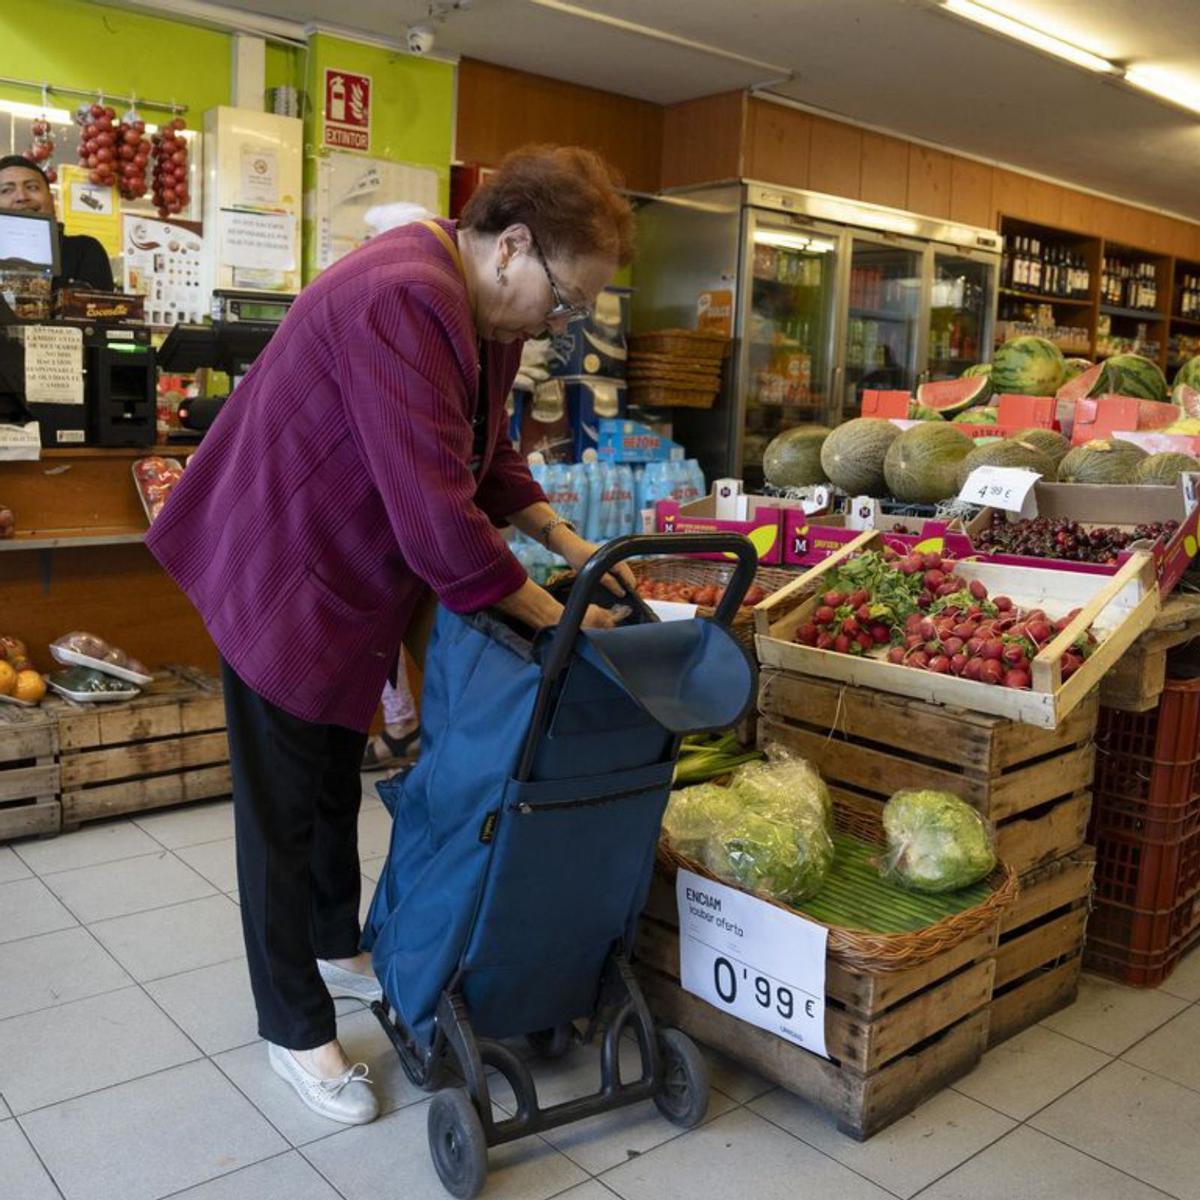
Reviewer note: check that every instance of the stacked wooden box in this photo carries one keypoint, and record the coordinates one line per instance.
(1032, 784)
(63, 764)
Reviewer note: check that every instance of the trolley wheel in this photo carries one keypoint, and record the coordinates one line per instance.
(457, 1143)
(552, 1043)
(683, 1098)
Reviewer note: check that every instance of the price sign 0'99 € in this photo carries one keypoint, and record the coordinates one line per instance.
(753, 960)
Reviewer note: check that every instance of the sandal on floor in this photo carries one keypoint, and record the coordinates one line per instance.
(401, 750)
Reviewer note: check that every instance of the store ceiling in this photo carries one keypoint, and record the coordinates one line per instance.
(901, 65)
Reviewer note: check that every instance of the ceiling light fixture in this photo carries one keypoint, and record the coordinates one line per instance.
(1180, 90)
(999, 23)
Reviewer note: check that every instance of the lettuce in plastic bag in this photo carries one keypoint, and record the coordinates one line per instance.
(936, 842)
(768, 831)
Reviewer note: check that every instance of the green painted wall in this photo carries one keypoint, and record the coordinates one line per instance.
(412, 121)
(76, 44)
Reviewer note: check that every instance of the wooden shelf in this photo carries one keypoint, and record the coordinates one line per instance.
(1135, 314)
(1042, 298)
(1193, 321)
(69, 539)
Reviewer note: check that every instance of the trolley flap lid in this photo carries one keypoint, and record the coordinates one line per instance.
(690, 676)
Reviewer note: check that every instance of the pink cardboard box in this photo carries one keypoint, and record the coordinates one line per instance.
(1106, 505)
(810, 540)
(764, 528)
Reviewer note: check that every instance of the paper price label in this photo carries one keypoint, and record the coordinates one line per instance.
(1008, 488)
(670, 610)
(753, 960)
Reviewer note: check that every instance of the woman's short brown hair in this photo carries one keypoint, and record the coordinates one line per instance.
(566, 195)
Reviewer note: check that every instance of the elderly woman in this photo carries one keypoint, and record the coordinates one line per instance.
(361, 463)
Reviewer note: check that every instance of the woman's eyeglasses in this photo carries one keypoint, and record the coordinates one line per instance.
(562, 309)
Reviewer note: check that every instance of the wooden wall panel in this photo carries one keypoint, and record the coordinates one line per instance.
(778, 144)
(1045, 202)
(499, 110)
(702, 140)
(835, 158)
(971, 192)
(1010, 194)
(928, 181)
(884, 170)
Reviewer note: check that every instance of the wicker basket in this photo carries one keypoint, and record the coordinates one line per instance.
(657, 395)
(881, 951)
(682, 343)
(698, 573)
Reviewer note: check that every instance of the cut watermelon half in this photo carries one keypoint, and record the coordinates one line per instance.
(954, 395)
(1087, 383)
(1187, 399)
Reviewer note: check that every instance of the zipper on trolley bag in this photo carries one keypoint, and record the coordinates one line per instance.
(551, 805)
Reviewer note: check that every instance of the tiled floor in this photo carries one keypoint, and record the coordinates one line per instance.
(130, 1070)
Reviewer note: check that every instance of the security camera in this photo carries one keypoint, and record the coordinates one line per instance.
(419, 39)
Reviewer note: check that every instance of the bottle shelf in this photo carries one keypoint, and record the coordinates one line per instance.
(1044, 298)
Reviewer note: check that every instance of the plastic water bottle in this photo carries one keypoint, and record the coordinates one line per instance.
(594, 470)
(624, 515)
(697, 475)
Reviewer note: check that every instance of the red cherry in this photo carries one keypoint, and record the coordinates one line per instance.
(97, 110)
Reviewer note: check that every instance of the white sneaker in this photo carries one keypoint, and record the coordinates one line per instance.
(347, 1098)
(349, 984)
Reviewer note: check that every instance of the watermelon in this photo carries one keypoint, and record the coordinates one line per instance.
(1135, 375)
(979, 370)
(1046, 440)
(1007, 453)
(793, 459)
(1187, 399)
(853, 455)
(954, 395)
(977, 416)
(1189, 373)
(918, 412)
(1164, 469)
(1189, 426)
(1076, 366)
(1028, 366)
(921, 465)
(1101, 462)
(1091, 382)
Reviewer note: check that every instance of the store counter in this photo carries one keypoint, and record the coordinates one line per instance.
(77, 560)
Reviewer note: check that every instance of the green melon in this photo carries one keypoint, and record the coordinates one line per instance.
(853, 455)
(793, 459)
(922, 463)
(1101, 462)
(1052, 444)
(954, 395)
(1135, 375)
(1028, 366)
(1007, 453)
(977, 416)
(1189, 373)
(1164, 469)
(978, 370)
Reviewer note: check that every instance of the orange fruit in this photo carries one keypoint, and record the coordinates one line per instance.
(29, 686)
(8, 677)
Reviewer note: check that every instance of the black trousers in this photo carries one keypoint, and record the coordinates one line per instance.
(296, 796)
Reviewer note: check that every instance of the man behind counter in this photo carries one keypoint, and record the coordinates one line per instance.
(24, 188)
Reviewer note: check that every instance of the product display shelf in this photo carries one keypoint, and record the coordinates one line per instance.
(29, 773)
(168, 746)
(895, 1037)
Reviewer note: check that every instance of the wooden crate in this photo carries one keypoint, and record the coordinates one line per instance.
(1119, 607)
(1040, 955)
(1136, 682)
(895, 1037)
(29, 802)
(166, 747)
(1031, 783)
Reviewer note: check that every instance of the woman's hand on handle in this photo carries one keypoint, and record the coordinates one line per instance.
(577, 551)
(534, 606)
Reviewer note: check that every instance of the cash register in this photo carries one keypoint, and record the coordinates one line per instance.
(92, 383)
(242, 325)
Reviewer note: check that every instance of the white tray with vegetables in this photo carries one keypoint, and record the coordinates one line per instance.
(86, 685)
(1026, 643)
(82, 649)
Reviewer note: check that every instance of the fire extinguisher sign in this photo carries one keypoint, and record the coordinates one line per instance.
(347, 110)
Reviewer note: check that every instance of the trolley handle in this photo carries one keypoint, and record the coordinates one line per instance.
(591, 577)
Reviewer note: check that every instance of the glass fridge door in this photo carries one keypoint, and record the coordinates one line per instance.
(788, 334)
(962, 307)
(882, 319)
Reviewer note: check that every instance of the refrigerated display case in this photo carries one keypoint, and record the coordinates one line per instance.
(831, 296)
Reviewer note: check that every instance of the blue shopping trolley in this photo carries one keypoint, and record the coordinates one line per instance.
(522, 848)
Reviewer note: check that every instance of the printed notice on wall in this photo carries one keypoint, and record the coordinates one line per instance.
(259, 241)
(53, 364)
(260, 177)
